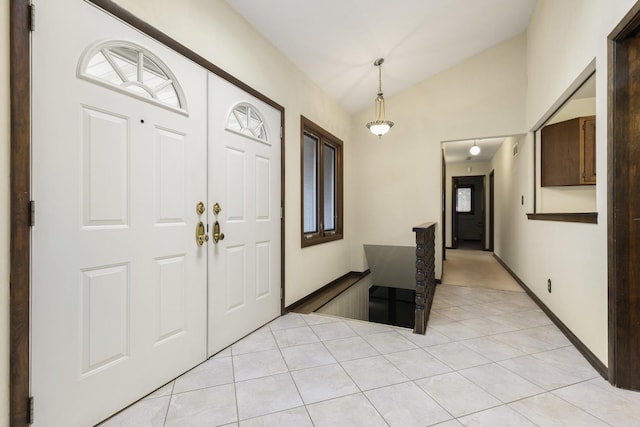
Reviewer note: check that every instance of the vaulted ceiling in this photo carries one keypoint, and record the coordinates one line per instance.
(335, 42)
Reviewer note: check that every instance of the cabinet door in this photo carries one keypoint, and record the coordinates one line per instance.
(568, 152)
(560, 148)
(588, 151)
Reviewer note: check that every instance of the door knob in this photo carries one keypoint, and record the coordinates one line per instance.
(201, 235)
(217, 235)
(217, 208)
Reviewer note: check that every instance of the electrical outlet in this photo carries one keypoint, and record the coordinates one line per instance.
(549, 285)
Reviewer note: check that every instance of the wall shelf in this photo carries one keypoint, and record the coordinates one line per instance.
(583, 217)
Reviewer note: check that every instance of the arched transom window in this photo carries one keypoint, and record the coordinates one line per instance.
(132, 69)
(246, 119)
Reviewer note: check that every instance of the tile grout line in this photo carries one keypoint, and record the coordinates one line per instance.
(166, 414)
(304, 404)
(547, 339)
(233, 377)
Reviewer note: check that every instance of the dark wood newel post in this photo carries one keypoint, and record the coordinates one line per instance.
(425, 274)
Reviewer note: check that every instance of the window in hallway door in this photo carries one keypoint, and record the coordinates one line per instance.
(464, 201)
(321, 155)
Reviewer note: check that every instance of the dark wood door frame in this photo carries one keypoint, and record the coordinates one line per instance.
(492, 209)
(623, 203)
(454, 214)
(19, 294)
(20, 185)
(484, 212)
(454, 217)
(444, 210)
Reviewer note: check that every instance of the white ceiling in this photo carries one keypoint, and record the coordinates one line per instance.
(336, 41)
(458, 151)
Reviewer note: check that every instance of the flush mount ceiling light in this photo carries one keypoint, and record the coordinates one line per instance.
(380, 125)
(474, 150)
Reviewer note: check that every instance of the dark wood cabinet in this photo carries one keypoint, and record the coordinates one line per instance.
(568, 155)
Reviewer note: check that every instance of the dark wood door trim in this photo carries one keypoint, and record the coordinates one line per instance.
(20, 186)
(622, 202)
(454, 214)
(484, 212)
(444, 211)
(492, 209)
(19, 300)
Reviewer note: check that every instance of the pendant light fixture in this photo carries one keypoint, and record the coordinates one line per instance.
(380, 125)
(474, 150)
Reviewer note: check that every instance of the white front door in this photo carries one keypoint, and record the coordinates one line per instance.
(118, 280)
(244, 181)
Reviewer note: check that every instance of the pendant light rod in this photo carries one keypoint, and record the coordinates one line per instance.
(378, 63)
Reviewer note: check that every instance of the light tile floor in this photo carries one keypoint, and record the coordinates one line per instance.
(489, 358)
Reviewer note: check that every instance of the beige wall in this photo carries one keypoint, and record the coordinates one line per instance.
(563, 39)
(461, 169)
(513, 180)
(397, 180)
(218, 33)
(4, 213)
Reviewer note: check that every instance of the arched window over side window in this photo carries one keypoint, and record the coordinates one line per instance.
(132, 69)
(247, 120)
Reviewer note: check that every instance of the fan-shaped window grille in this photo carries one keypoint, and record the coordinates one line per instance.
(132, 69)
(245, 119)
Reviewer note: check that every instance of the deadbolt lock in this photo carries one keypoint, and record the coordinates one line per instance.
(201, 234)
(216, 208)
(200, 208)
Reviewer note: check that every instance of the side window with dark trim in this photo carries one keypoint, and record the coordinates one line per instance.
(321, 172)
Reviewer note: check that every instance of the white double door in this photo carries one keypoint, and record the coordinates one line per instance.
(123, 298)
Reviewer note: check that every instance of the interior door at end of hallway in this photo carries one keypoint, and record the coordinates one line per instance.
(244, 179)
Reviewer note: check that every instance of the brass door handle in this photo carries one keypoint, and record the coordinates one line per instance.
(201, 234)
(217, 235)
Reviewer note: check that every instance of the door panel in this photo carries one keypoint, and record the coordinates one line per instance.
(105, 321)
(105, 138)
(244, 179)
(118, 281)
(235, 183)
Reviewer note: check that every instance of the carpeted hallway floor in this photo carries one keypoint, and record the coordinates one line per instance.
(478, 269)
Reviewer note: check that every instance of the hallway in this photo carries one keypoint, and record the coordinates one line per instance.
(478, 269)
(490, 357)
